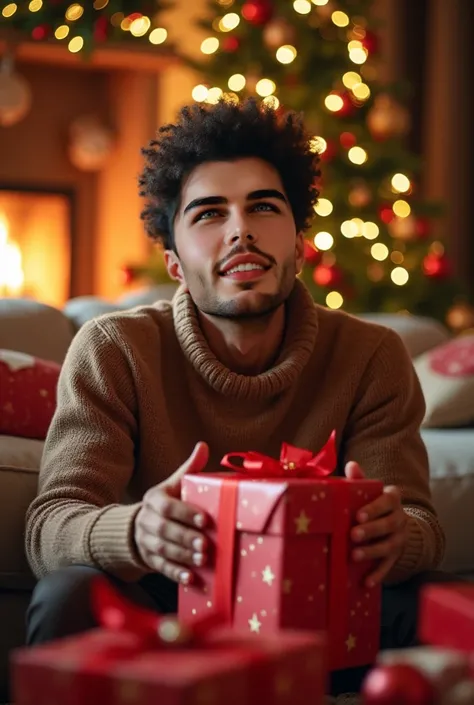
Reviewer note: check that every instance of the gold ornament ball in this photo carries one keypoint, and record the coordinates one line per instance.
(360, 195)
(387, 118)
(277, 33)
(460, 317)
(403, 228)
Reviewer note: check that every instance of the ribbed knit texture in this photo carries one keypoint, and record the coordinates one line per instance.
(140, 388)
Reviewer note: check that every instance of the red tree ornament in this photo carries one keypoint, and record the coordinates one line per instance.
(397, 684)
(257, 12)
(423, 227)
(436, 266)
(386, 213)
(230, 44)
(347, 140)
(40, 32)
(370, 42)
(312, 255)
(327, 275)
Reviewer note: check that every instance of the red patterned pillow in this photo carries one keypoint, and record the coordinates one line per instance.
(27, 394)
(446, 374)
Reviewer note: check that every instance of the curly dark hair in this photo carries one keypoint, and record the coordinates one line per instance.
(226, 131)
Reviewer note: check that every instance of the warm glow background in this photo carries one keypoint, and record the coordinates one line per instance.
(39, 224)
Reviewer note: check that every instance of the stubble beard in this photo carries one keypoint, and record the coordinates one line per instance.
(241, 308)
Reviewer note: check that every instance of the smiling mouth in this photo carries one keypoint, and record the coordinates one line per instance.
(247, 267)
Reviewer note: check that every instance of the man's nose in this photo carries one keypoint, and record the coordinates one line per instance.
(239, 230)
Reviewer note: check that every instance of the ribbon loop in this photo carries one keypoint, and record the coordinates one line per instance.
(294, 462)
(114, 612)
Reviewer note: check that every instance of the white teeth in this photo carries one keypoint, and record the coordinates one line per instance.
(244, 268)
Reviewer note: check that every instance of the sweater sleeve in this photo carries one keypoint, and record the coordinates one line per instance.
(87, 463)
(383, 436)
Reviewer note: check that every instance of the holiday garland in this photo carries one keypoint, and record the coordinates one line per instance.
(86, 24)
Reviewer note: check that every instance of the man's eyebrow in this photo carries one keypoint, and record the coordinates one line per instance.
(220, 200)
(266, 193)
(206, 201)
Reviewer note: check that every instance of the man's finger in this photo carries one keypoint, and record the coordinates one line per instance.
(176, 510)
(386, 503)
(383, 569)
(353, 471)
(178, 573)
(381, 549)
(379, 527)
(196, 462)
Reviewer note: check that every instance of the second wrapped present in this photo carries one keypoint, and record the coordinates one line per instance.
(281, 532)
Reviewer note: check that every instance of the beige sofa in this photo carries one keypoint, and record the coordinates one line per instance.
(31, 327)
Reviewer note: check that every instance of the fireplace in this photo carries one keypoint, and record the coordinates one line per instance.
(36, 243)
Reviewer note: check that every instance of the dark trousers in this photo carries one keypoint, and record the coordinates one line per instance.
(60, 606)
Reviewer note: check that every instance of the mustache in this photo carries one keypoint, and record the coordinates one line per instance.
(239, 250)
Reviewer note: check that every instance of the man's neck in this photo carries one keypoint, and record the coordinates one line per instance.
(246, 346)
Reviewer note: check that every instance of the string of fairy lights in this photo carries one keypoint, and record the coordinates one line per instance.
(391, 214)
(73, 27)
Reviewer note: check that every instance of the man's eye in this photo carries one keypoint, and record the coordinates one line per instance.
(205, 215)
(265, 207)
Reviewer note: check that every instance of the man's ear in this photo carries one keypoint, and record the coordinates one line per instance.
(299, 246)
(173, 266)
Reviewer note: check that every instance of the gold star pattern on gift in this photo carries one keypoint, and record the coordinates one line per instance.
(267, 575)
(254, 624)
(351, 642)
(302, 523)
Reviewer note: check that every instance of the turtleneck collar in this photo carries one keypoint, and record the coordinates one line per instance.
(298, 344)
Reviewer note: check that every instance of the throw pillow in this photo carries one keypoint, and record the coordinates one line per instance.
(446, 375)
(27, 394)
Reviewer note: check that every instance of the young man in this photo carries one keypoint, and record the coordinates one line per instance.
(241, 359)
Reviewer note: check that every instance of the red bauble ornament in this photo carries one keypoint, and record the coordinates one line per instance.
(327, 275)
(230, 44)
(312, 256)
(371, 42)
(397, 684)
(347, 140)
(436, 266)
(40, 32)
(386, 214)
(257, 12)
(101, 28)
(423, 228)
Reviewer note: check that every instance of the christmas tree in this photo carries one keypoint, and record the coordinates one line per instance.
(83, 25)
(374, 245)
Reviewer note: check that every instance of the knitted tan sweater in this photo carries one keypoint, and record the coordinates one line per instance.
(140, 388)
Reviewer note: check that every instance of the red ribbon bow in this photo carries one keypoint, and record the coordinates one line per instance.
(114, 612)
(294, 462)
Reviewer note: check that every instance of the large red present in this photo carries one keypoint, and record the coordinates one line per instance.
(447, 616)
(140, 658)
(281, 530)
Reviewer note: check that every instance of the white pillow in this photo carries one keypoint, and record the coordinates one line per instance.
(446, 375)
(418, 333)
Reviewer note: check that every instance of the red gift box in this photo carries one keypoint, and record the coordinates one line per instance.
(142, 659)
(283, 549)
(447, 616)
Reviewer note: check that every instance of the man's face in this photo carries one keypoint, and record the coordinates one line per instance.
(238, 249)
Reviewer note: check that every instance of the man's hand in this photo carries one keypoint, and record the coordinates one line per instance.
(382, 529)
(167, 532)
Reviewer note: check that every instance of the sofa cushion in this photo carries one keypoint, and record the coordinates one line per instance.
(27, 394)
(34, 328)
(18, 488)
(451, 456)
(20, 452)
(446, 376)
(417, 332)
